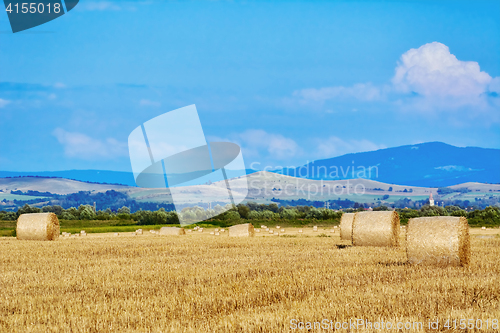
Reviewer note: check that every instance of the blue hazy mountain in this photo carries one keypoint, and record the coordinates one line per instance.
(432, 164)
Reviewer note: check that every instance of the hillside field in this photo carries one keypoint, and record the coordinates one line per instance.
(205, 283)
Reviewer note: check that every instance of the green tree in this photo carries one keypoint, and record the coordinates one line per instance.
(243, 210)
(87, 213)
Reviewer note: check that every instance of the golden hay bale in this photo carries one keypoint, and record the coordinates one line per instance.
(172, 231)
(39, 226)
(346, 226)
(439, 240)
(242, 230)
(380, 228)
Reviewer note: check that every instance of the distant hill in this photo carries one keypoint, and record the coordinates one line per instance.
(432, 164)
(93, 176)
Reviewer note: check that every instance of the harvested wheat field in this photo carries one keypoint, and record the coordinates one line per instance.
(201, 283)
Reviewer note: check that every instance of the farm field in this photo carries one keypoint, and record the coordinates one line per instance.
(205, 283)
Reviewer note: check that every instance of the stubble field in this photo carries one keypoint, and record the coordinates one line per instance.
(203, 283)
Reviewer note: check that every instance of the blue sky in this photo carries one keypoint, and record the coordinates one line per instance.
(290, 82)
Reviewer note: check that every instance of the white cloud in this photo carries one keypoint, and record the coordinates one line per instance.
(428, 79)
(276, 145)
(147, 102)
(361, 91)
(335, 146)
(81, 146)
(435, 74)
(276, 150)
(266, 148)
(3, 103)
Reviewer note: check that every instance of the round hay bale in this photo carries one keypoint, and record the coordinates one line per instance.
(379, 228)
(438, 240)
(346, 226)
(173, 231)
(242, 230)
(38, 226)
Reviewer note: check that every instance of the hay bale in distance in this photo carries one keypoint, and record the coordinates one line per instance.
(346, 226)
(438, 240)
(376, 228)
(38, 226)
(172, 231)
(242, 230)
(138, 232)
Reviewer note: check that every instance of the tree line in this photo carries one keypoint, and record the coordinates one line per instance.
(298, 215)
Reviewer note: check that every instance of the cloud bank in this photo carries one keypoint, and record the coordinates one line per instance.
(78, 145)
(427, 79)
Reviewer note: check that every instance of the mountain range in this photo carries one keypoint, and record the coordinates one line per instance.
(432, 164)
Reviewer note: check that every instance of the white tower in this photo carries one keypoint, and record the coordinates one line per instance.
(431, 200)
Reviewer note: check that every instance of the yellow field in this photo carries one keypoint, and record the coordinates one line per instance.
(205, 283)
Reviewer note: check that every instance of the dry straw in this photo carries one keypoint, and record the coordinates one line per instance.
(39, 226)
(241, 230)
(376, 229)
(439, 240)
(346, 226)
(172, 231)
